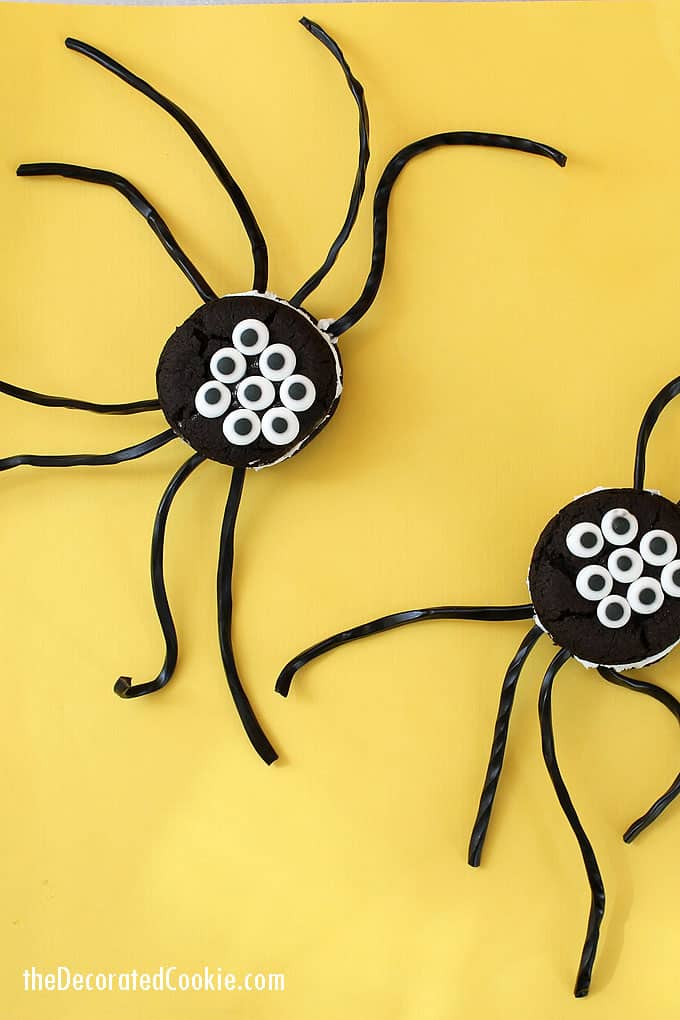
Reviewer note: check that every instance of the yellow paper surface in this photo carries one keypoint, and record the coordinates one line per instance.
(526, 317)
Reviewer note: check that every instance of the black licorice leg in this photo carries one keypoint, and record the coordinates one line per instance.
(357, 90)
(384, 189)
(385, 623)
(45, 400)
(652, 414)
(88, 459)
(123, 686)
(597, 901)
(225, 607)
(207, 150)
(499, 743)
(137, 200)
(673, 705)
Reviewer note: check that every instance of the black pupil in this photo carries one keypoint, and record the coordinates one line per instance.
(213, 395)
(588, 539)
(625, 563)
(298, 390)
(658, 546)
(249, 337)
(242, 427)
(614, 611)
(253, 392)
(596, 582)
(676, 577)
(225, 365)
(647, 596)
(279, 425)
(620, 525)
(275, 361)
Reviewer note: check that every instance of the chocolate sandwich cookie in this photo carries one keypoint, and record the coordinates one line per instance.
(248, 380)
(605, 577)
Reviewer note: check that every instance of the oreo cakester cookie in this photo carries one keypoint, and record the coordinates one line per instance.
(605, 577)
(248, 380)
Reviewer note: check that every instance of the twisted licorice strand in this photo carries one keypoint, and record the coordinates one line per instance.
(123, 686)
(651, 416)
(384, 189)
(137, 200)
(207, 150)
(597, 902)
(88, 459)
(673, 705)
(357, 90)
(394, 620)
(500, 739)
(46, 400)
(225, 606)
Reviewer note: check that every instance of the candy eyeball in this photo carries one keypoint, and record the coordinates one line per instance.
(594, 583)
(625, 565)
(585, 540)
(280, 426)
(619, 526)
(277, 362)
(212, 399)
(256, 393)
(250, 336)
(645, 595)
(241, 427)
(297, 392)
(658, 547)
(613, 612)
(670, 578)
(228, 365)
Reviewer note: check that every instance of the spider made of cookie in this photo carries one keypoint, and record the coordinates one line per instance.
(250, 378)
(604, 583)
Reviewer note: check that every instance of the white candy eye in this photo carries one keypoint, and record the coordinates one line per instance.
(625, 565)
(250, 336)
(670, 578)
(241, 427)
(619, 526)
(256, 393)
(277, 362)
(613, 612)
(585, 540)
(228, 365)
(645, 595)
(594, 583)
(297, 392)
(280, 426)
(212, 399)
(658, 547)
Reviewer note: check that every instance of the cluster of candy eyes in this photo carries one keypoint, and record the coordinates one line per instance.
(626, 565)
(273, 378)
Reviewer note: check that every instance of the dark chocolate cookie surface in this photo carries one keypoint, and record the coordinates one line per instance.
(248, 380)
(605, 576)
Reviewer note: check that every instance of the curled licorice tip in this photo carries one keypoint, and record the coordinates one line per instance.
(284, 681)
(305, 22)
(122, 686)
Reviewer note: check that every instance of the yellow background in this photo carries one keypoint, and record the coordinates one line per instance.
(526, 317)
